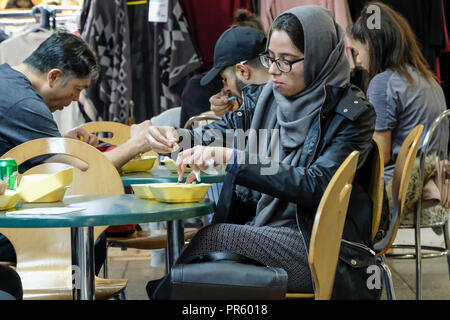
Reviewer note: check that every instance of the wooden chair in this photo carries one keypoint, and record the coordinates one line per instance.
(120, 131)
(421, 221)
(44, 259)
(327, 230)
(202, 119)
(402, 174)
(376, 185)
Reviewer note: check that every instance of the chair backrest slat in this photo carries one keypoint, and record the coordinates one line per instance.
(402, 174)
(328, 227)
(120, 131)
(376, 186)
(101, 177)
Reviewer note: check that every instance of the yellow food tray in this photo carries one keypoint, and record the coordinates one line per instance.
(179, 192)
(171, 165)
(45, 187)
(9, 199)
(142, 164)
(143, 191)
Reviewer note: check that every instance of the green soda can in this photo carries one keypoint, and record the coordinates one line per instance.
(9, 172)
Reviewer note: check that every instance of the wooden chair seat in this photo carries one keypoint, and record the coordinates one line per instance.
(107, 288)
(104, 289)
(300, 296)
(148, 239)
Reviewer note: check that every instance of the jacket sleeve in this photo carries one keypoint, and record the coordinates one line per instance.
(214, 134)
(306, 185)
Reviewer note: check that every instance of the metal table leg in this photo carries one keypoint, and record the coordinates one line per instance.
(83, 248)
(175, 241)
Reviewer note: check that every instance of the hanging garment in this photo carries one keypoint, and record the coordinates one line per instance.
(425, 18)
(164, 58)
(16, 49)
(178, 59)
(444, 59)
(145, 91)
(208, 19)
(3, 36)
(270, 9)
(106, 30)
(446, 22)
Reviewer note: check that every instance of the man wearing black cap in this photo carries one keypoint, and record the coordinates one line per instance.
(236, 61)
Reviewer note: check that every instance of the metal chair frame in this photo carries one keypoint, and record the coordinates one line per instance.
(438, 251)
(402, 174)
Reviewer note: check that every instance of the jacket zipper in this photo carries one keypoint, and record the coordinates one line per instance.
(244, 125)
(359, 245)
(317, 143)
(320, 129)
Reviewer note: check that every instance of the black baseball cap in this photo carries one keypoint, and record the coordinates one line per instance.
(235, 45)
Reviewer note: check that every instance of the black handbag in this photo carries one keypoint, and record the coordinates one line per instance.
(227, 276)
(358, 273)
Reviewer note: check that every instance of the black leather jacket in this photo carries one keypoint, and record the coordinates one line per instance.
(347, 123)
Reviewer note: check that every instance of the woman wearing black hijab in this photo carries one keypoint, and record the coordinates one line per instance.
(316, 119)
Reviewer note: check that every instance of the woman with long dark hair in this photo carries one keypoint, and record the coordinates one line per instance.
(403, 89)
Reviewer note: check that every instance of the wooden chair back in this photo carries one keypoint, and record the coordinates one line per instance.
(101, 177)
(202, 119)
(120, 131)
(328, 227)
(402, 174)
(44, 259)
(376, 185)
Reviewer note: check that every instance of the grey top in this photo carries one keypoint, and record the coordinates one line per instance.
(400, 107)
(24, 115)
(169, 117)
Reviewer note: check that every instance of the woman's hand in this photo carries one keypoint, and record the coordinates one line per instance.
(200, 158)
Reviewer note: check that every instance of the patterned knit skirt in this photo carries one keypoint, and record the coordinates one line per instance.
(282, 247)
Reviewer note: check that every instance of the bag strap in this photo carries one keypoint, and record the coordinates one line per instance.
(220, 256)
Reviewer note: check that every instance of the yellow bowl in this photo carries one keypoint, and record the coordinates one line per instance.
(179, 192)
(142, 164)
(45, 187)
(9, 199)
(143, 191)
(171, 165)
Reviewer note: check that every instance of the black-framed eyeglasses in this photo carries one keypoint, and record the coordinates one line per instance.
(282, 64)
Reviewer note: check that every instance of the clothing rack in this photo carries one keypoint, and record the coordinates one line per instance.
(29, 13)
(46, 14)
